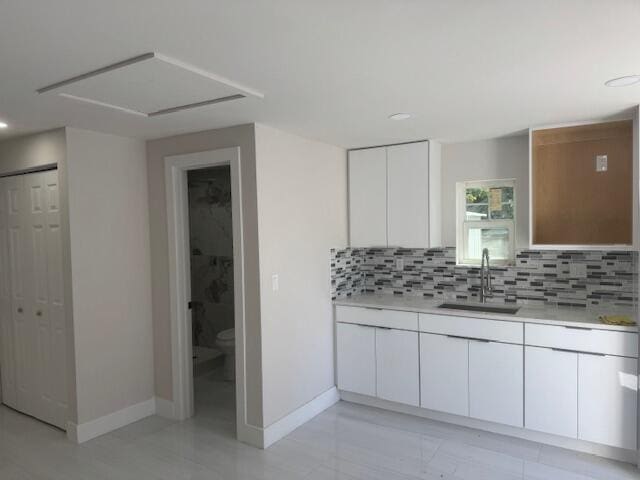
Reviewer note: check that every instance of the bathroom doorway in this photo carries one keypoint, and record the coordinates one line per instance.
(206, 276)
(212, 306)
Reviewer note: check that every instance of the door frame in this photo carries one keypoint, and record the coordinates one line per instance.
(176, 168)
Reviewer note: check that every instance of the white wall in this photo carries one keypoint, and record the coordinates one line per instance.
(110, 269)
(302, 214)
(491, 159)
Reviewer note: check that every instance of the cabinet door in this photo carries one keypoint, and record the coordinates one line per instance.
(607, 400)
(397, 365)
(496, 382)
(408, 195)
(368, 197)
(356, 358)
(551, 391)
(444, 373)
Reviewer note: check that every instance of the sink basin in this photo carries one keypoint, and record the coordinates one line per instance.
(480, 308)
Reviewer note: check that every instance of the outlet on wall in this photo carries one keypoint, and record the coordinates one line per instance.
(400, 263)
(275, 284)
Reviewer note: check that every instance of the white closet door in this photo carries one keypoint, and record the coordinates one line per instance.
(408, 195)
(368, 197)
(47, 309)
(7, 361)
(20, 278)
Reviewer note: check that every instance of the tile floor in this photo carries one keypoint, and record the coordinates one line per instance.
(346, 442)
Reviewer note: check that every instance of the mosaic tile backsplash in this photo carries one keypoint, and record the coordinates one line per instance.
(539, 277)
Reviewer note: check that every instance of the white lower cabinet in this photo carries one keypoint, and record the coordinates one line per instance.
(397, 366)
(444, 373)
(607, 400)
(356, 358)
(551, 391)
(496, 380)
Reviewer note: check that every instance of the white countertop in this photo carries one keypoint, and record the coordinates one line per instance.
(544, 314)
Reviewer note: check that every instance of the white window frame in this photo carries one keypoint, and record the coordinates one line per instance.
(463, 225)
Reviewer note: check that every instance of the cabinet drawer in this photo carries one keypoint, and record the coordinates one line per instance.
(499, 331)
(377, 317)
(624, 344)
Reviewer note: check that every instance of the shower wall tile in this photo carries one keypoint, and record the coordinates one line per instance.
(538, 277)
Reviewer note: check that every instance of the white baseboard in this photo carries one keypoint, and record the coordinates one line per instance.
(164, 408)
(288, 424)
(629, 456)
(83, 432)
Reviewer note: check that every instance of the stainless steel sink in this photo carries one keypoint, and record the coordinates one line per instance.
(475, 307)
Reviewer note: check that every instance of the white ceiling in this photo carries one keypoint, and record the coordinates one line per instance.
(333, 70)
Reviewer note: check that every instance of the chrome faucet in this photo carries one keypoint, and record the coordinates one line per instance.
(485, 277)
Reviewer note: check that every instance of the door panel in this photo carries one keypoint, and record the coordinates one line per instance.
(408, 195)
(607, 400)
(496, 382)
(397, 366)
(356, 358)
(551, 391)
(368, 197)
(7, 361)
(444, 373)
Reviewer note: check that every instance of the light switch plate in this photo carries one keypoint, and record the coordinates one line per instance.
(400, 264)
(578, 270)
(275, 284)
(601, 163)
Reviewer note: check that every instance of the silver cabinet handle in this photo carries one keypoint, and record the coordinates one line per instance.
(577, 328)
(470, 338)
(578, 351)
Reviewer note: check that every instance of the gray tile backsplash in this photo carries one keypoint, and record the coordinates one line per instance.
(538, 276)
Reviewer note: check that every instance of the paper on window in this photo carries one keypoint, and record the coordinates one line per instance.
(495, 199)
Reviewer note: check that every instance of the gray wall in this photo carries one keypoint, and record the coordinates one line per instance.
(241, 136)
(492, 159)
(110, 271)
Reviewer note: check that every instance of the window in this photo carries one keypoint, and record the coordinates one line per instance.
(486, 219)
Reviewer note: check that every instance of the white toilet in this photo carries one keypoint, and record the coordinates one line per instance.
(226, 342)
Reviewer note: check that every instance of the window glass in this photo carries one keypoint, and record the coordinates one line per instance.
(487, 220)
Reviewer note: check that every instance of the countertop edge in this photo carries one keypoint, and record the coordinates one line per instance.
(378, 302)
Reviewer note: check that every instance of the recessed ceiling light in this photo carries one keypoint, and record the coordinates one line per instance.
(3, 125)
(626, 81)
(400, 116)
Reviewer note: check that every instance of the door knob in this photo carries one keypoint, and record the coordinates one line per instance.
(39, 313)
(19, 309)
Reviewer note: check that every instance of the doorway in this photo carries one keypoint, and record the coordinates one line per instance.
(211, 274)
(189, 325)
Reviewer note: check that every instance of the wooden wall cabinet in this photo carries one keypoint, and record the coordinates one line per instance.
(574, 205)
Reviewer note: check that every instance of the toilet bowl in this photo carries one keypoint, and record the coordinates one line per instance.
(226, 342)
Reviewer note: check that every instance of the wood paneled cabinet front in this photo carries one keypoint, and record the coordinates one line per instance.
(582, 193)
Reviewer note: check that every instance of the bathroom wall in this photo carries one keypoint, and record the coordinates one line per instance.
(211, 238)
(539, 277)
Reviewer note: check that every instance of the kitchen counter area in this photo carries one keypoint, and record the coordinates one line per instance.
(585, 317)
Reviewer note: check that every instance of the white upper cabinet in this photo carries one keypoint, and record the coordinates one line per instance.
(394, 196)
(368, 197)
(408, 195)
